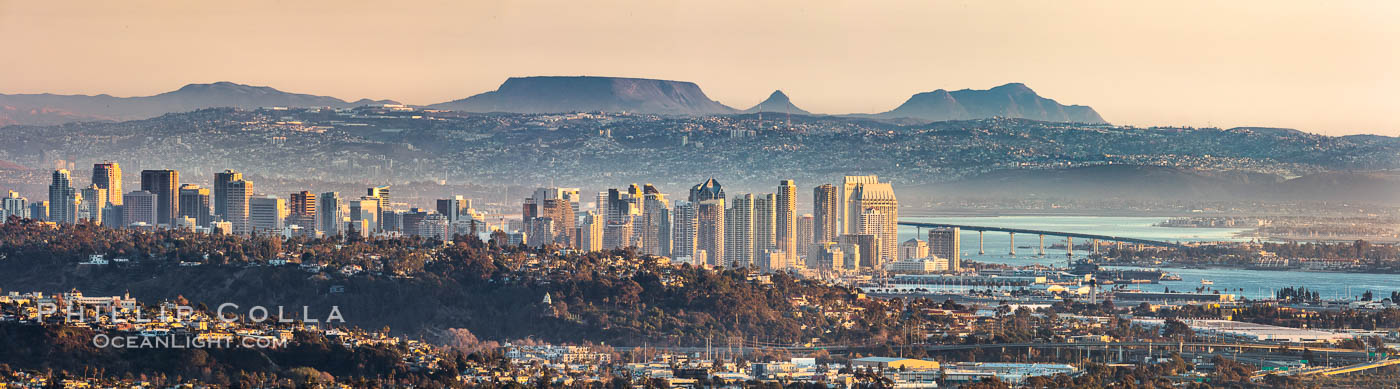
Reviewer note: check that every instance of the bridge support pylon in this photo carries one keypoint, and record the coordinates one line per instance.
(1013, 243)
(980, 249)
(1069, 246)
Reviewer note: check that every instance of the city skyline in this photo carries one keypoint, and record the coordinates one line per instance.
(1211, 64)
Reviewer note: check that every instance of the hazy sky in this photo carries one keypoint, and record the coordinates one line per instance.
(1320, 66)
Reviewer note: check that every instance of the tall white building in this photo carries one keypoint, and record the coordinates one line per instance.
(63, 199)
(848, 212)
(878, 214)
(739, 232)
(14, 206)
(683, 227)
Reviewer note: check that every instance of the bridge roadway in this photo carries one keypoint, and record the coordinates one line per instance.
(1112, 238)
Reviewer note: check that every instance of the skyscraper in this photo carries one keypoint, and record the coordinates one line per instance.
(825, 214)
(301, 209)
(329, 214)
(878, 215)
(945, 243)
(165, 184)
(108, 177)
(656, 223)
(194, 203)
(221, 182)
(804, 239)
(709, 230)
(94, 199)
(139, 208)
(266, 213)
(63, 207)
(236, 195)
(763, 226)
(381, 194)
(683, 229)
(739, 232)
(785, 218)
(848, 213)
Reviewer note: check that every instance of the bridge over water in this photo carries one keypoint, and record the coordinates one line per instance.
(1094, 238)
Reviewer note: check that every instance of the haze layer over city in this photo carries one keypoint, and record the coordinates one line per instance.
(726, 194)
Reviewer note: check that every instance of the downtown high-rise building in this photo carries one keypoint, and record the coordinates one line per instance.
(590, 232)
(195, 202)
(301, 210)
(94, 199)
(708, 199)
(108, 177)
(804, 238)
(848, 213)
(739, 232)
(455, 208)
(381, 195)
(330, 218)
(656, 223)
(826, 206)
(266, 214)
(878, 215)
(763, 225)
(785, 234)
(709, 231)
(63, 199)
(221, 183)
(236, 195)
(165, 184)
(140, 208)
(14, 205)
(683, 227)
(945, 242)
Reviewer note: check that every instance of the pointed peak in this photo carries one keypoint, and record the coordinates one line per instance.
(778, 95)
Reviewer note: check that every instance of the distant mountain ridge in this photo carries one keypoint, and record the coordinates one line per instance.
(1014, 100)
(47, 109)
(557, 94)
(541, 94)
